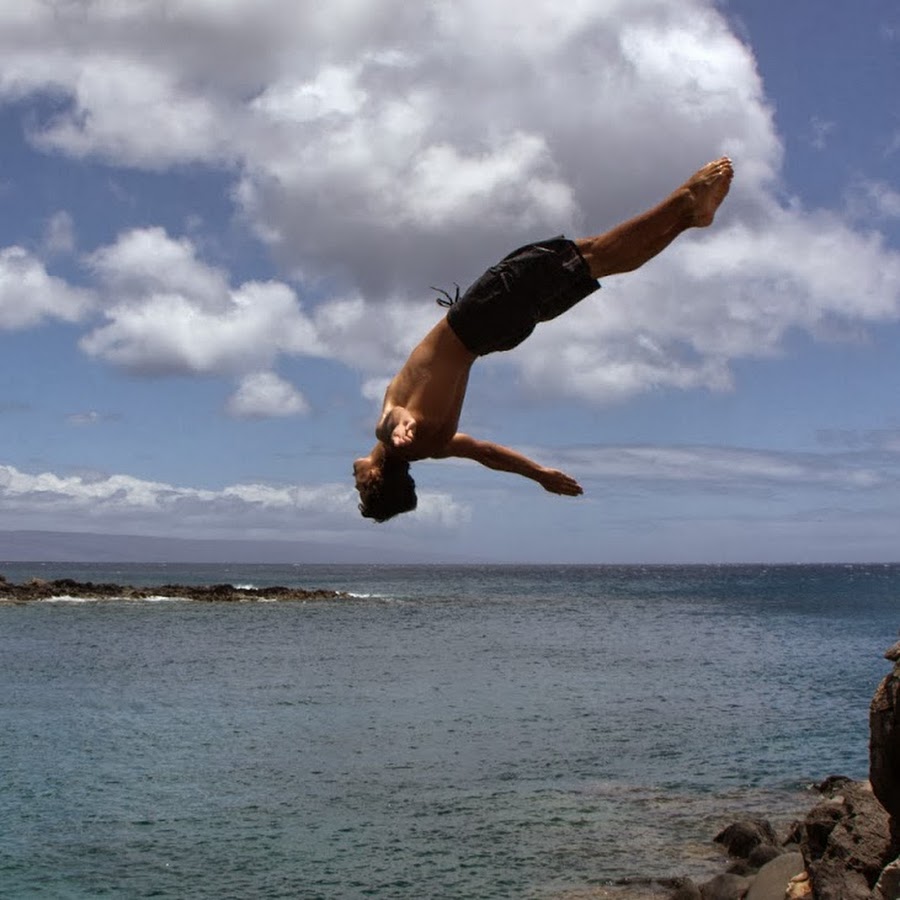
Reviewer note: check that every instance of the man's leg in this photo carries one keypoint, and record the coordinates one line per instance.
(629, 245)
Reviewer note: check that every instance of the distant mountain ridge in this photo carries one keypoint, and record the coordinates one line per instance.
(62, 546)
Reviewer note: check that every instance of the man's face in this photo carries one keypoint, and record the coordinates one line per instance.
(363, 472)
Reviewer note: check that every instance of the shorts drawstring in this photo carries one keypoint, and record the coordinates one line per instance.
(446, 301)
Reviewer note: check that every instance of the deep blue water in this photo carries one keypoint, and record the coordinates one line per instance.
(448, 732)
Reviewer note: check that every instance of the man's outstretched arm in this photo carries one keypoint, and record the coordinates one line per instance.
(496, 456)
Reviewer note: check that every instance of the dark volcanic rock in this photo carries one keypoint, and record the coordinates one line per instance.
(742, 838)
(38, 589)
(884, 739)
(686, 889)
(725, 887)
(763, 854)
(846, 842)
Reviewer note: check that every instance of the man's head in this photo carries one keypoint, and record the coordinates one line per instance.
(385, 487)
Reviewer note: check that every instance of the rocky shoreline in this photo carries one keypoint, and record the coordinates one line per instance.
(847, 847)
(37, 589)
(841, 850)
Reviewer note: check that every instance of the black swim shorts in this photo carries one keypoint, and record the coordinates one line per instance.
(533, 284)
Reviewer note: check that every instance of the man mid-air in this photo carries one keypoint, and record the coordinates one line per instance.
(536, 283)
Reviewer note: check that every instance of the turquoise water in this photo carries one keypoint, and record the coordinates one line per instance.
(453, 732)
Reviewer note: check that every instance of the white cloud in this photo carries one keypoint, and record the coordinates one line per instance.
(732, 468)
(264, 395)
(108, 502)
(373, 337)
(125, 504)
(893, 144)
(59, 235)
(333, 91)
(821, 131)
(29, 295)
(169, 313)
(146, 261)
(885, 440)
(439, 510)
(133, 113)
(869, 200)
(91, 417)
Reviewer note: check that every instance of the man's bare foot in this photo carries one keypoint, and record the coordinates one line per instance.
(708, 187)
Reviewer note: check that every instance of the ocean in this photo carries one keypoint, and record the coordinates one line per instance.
(445, 732)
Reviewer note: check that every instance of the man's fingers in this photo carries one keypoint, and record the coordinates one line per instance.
(560, 483)
(404, 433)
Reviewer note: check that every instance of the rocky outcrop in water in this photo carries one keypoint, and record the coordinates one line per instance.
(38, 589)
(884, 766)
(884, 738)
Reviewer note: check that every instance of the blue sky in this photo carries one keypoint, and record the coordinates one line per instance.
(220, 221)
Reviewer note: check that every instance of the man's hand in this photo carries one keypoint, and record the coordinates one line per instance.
(404, 431)
(559, 483)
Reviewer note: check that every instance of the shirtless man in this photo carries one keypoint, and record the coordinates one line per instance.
(421, 409)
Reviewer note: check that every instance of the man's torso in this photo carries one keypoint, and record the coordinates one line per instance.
(431, 386)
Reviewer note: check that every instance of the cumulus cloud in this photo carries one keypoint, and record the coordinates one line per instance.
(135, 113)
(563, 136)
(265, 395)
(30, 295)
(168, 312)
(146, 261)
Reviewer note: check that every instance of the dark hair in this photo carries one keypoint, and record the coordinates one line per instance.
(391, 494)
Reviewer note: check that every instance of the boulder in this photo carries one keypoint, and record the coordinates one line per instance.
(773, 878)
(741, 867)
(763, 854)
(884, 738)
(846, 842)
(725, 887)
(686, 890)
(742, 838)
